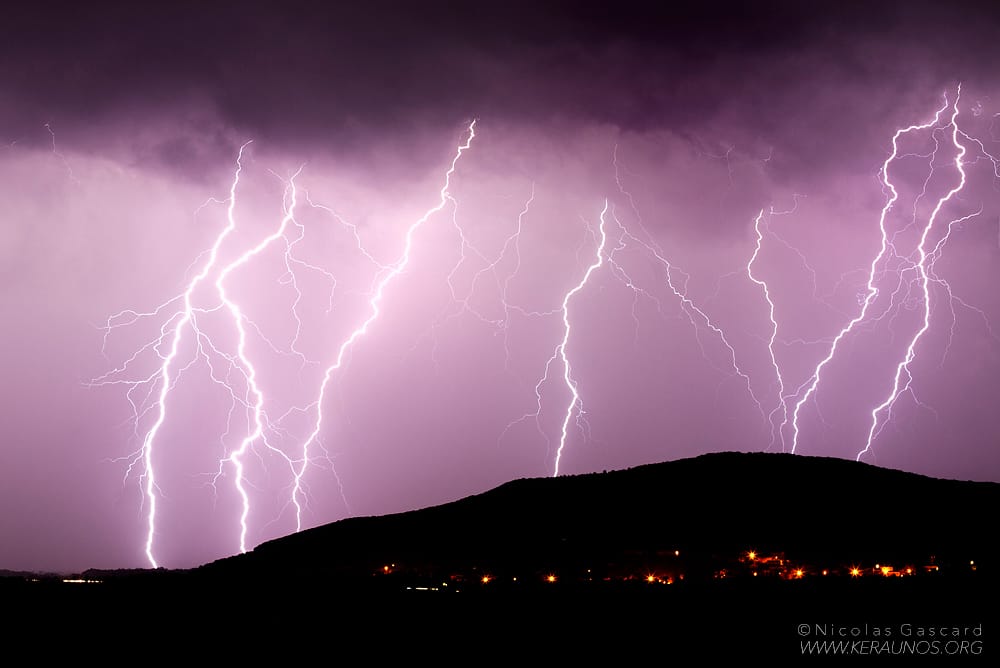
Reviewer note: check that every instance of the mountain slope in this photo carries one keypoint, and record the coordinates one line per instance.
(716, 505)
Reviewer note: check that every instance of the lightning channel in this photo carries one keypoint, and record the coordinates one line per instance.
(871, 289)
(163, 377)
(374, 310)
(782, 405)
(560, 350)
(899, 384)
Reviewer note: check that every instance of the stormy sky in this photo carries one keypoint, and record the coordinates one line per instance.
(699, 126)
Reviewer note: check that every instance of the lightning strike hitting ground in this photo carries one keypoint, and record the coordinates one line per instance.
(559, 353)
(561, 348)
(782, 406)
(871, 290)
(236, 457)
(908, 292)
(163, 378)
(898, 384)
(374, 311)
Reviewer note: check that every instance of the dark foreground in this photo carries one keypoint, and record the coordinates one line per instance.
(438, 585)
(946, 621)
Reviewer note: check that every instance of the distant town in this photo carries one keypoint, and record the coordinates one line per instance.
(659, 567)
(671, 567)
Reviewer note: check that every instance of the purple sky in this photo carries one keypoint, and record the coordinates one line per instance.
(119, 136)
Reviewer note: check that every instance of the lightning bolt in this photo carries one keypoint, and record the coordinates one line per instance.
(59, 154)
(511, 245)
(374, 310)
(782, 405)
(695, 314)
(513, 241)
(900, 385)
(812, 383)
(163, 378)
(236, 457)
(560, 350)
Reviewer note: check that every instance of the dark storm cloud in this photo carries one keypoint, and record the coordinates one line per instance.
(313, 71)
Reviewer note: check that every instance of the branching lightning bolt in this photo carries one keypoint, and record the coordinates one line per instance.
(898, 384)
(694, 313)
(163, 377)
(374, 310)
(872, 290)
(502, 283)
(560, 350)
(904, 292)
(782, 406)
(236, 457)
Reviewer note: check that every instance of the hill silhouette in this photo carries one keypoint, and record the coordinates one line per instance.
(708, 508)
(413, 582)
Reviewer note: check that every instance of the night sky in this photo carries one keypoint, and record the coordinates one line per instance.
(703, 131)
